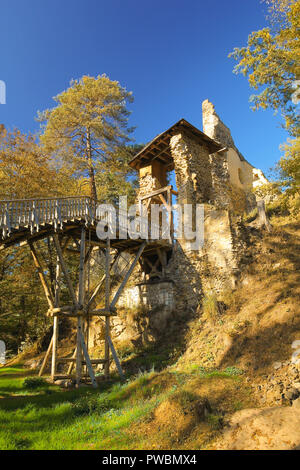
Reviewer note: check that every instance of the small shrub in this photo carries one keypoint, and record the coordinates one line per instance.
(124, 352)
(232, 300)
(93, 404)
(238, 405)
(232, 370)
(31, 383)
(215, 421)
(184, 398)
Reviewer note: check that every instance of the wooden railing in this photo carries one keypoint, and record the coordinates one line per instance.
(32, 214)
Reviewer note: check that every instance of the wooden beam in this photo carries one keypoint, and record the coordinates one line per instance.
(81, 288)
(124, 282)
(88, 361)
(171, 219)
(78, 351)
(156, 192)
(98, 287)
(44, 363)
(71, 359)
(107, 301)
(54, 346)
(162, 257)
(65, 269)
(41, 275)
(164, 202)
(72, 363)
(116, 359)
(55, 319)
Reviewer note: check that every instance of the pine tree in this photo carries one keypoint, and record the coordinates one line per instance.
(89, 122)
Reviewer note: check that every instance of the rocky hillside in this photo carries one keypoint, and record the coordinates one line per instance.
(257, 326)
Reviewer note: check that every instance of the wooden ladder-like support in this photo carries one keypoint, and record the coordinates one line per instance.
(81, 308)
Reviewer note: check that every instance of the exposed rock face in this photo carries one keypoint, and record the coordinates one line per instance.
(204, 179)
(192, 170)
(282, 386)
(241, 173)
(214, 127)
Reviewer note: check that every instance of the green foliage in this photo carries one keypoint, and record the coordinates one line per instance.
(290, 164)
(207, 373)
(271, 62)
(23, 304)
(25, 170)
(88, 125)
(31, 383)
(108, 417)
(91, 404)
(232, 370)
(114, 177)
(215, 421)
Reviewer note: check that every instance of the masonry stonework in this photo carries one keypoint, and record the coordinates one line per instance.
(208, 171)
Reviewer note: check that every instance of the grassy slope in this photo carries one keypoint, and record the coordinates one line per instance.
(154, 410)
(222, 353)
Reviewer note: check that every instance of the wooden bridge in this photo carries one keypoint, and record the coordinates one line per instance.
(74, 220)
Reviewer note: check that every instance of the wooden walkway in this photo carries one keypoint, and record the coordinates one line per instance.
(75, 219)
(28, 220)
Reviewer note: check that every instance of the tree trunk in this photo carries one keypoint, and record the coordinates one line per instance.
(93, 190)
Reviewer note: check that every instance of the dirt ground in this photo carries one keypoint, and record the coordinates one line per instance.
(275, 428)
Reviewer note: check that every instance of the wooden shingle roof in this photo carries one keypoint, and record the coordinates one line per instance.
(159, 147)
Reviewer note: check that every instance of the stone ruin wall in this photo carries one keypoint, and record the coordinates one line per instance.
(201, 178)
(241, 173)
(144, 311)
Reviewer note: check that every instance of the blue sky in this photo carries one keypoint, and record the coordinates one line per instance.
(171, 54)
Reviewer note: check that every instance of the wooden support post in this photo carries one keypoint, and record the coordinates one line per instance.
(41, 275)
(55, 319)
(87, 323)
(88, 361)
(116, 359)
(65, 269)
(124, 282)
(98, 287)
(107, 300)
(46, 358)
(72, 363)
(81, 289)
(171, 221)
(54, 346)
(78, 351)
